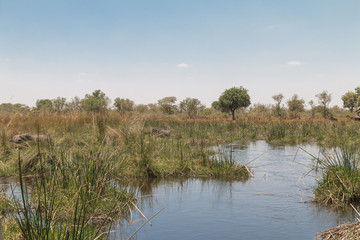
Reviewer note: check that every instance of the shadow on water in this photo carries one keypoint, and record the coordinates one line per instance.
(275, 204)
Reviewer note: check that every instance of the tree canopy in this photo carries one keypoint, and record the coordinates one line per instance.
(44, 105)
(233, 99)
(324, 98)
(167, 105)
(296, 106)
(351, 99)
(191, 106)
(278, 111)
(124, 104)
(96, 102)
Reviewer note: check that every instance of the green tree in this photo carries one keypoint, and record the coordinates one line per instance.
(216, 105)
(74, 104)
(233, 99)
(259, 110)
(278, 111)
(324, 99)
(191, 106)
(44, 105)
(59, 104)
(152, 107)
(167, 105)
(124, 104)
(96, 102)
(357, 91)
(312, 108)
(141, 108)
(14, 108)
(295, 106)
(350, 100)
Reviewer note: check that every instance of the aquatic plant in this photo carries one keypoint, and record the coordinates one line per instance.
(79, 206)
(340, 183)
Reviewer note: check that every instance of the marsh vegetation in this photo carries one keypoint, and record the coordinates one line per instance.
(90, 151)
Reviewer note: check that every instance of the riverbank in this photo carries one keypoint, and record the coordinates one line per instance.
(86, 149)
(144, 153)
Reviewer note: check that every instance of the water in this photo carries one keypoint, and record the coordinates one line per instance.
(272, 205)
(275, 204)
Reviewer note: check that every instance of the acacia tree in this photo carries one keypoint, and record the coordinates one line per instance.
(96, 102)
(313, 108)
(350, 100)
(13, 108)
(74, 104)
(216, 105)
(167, 105)
(124, 104)
(233, 99)
(191, 106)
(277, 108)
(59, 104)
(324, 99)
(44, 105)
(141, 108)
(296, 106)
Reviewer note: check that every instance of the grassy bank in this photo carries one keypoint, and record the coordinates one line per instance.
(75, 192)
(340, 183)
(77, 170)
(143, 153)
(70, 197)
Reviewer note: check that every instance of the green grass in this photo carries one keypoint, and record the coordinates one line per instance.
(72, 196)
(340, 183)
(90, 156)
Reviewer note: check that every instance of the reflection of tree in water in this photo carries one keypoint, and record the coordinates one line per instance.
(149, 190)
(237, 146)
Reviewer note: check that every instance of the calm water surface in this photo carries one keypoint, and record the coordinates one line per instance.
(272, 205)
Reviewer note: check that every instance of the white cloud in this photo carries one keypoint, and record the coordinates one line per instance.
(183, 65)
(293, 63)
(82, 74)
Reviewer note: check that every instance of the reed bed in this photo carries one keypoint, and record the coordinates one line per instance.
(340, 183)
(78, 173)
(71, 197)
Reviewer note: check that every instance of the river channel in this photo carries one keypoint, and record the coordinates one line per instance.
(275, 204)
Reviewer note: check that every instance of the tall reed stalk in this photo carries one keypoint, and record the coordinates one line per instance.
(340, 183)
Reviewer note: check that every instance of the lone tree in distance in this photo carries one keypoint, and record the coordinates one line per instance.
(234, 98)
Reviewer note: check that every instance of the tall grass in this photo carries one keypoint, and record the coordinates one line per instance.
(78, 205)
(340, 183)
(143, 154)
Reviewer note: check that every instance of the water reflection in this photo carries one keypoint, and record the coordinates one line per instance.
(275, 204)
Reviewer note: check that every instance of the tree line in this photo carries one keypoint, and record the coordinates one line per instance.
(231, 101)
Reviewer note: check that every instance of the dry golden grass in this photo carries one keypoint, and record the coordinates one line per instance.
(346, 231)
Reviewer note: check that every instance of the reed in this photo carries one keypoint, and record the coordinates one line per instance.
(340, 183)
(79, 205)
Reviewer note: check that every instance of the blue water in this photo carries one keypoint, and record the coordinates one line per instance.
(275, 204)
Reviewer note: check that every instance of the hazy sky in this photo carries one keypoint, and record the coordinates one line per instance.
(149, 49)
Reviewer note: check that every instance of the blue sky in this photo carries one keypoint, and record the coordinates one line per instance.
(146, 50)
